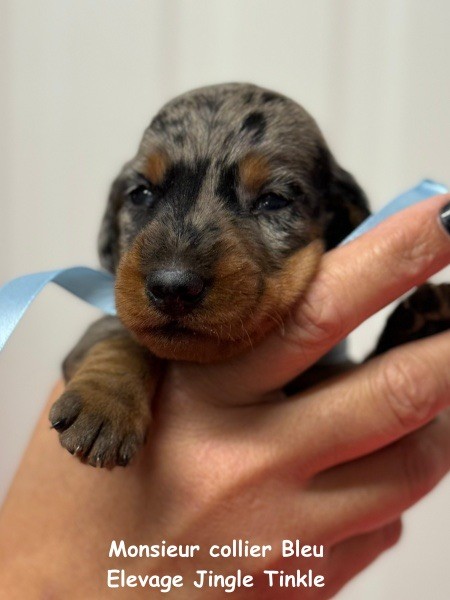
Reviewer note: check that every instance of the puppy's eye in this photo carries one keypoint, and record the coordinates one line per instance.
(270, 202)
(141, 196)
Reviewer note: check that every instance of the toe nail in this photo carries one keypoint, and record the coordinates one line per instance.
(122, 460)
(78, 451)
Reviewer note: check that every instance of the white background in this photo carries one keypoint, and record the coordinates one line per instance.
(80, 79)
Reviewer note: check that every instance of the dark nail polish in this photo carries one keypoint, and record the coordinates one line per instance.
(444, 215)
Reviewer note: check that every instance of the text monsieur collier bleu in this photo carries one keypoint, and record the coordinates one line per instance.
(229, 580)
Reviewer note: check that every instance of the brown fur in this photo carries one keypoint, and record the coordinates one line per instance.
(156, 167)
(254, 171)
(107, 402)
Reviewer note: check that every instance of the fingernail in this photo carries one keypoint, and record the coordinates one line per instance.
(444, 215)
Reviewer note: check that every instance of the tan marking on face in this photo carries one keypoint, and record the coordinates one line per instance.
(285, 288)
(282, 291)
(254, 171)
(217, 323)
(235, 314)
(156, 167)
(267, 312)
(133, 307)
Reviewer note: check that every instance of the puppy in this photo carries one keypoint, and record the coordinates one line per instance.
(213, 230)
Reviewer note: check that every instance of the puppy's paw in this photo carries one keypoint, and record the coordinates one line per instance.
(101, 427)
(429, 303)
(425, 312)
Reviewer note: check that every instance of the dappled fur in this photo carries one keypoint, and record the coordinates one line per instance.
(208, 157)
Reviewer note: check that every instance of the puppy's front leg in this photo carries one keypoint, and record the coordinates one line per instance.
(104, 412)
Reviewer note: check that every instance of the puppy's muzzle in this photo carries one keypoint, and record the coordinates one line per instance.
(175, 292)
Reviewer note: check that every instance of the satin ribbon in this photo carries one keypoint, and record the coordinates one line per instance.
(97, 287)
(92, 286)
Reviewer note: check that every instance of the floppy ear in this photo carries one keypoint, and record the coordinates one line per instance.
(345, 203)
(108, 239)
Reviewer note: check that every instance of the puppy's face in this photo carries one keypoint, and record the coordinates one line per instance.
(218, 224)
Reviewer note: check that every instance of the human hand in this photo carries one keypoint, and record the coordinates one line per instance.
(231, 458)
(335, 465)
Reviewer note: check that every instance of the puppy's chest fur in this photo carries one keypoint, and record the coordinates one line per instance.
(214, 230)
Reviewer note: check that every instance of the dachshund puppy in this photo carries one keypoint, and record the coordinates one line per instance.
(213, 230)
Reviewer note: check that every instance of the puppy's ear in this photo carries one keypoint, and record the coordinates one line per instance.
(108, 239)
(345, 203)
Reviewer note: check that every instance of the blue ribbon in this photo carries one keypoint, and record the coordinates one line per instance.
(425, 189)
(97, 287)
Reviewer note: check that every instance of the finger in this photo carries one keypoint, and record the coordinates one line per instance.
(352, 556)
(367, 493)
(367, 409)
(353, 282)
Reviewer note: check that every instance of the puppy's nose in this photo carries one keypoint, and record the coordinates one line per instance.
(175, 292)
